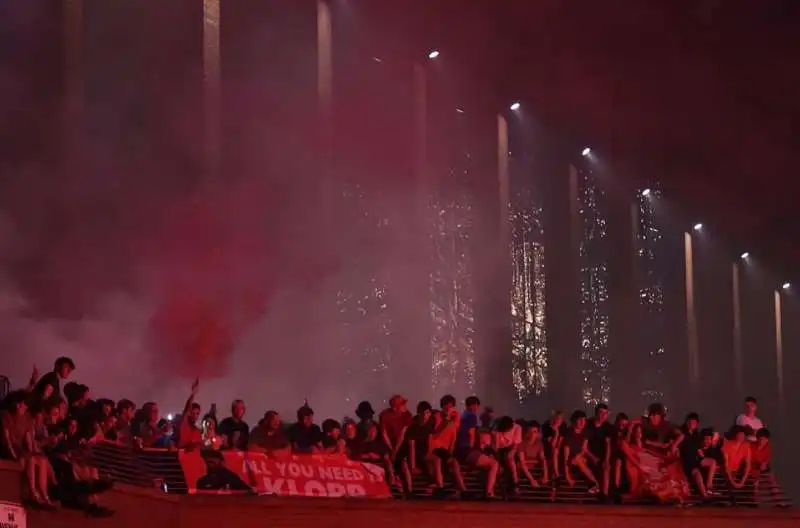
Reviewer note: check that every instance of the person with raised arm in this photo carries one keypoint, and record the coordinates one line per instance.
(190, 434)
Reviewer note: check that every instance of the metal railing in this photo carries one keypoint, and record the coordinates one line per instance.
(161, 469)
(155, 468)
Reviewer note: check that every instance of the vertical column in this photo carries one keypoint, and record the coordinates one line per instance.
(738, 360)
(423, 188)
(325, 102)
(498, 363)
(691, 320)
(73, 48)
(561, 233)
(779, 353)
(626, 365)
(211, 87)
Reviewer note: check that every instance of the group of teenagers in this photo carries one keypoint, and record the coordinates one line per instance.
(627, 459)
(635, 458)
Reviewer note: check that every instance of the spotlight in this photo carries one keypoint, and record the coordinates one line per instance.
(585, 153)
(433, 54)
(515, 106)
(377, 59)
(460, 110)
(646, 192)
(698, 227)
(786, 285)
(745, 255)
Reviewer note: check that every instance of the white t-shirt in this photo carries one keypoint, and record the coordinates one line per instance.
(753, 422)
(510, 438)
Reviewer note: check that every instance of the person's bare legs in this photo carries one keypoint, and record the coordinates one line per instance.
(524, 467)
(580, 463)
(407, 476)
(633, 480)
(29, 465)
(511, 464)
(617, 474)
(42, 476)
(491, 466)
(455, 469)
(697, 475)
(712, 470)
(606, 479)
(438, 477)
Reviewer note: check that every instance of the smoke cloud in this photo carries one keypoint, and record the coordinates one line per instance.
(148, 272)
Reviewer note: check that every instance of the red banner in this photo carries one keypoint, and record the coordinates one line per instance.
(297, 475)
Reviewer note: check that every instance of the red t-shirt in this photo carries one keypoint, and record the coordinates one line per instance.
(393, 423)
(760, 456)
(189, 435)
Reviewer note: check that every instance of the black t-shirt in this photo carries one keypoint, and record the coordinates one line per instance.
(598, 436)
(713, 453)
(372, 449)
(663, 432)
(548, 432)
(420, 433)
(305, 438)
(237, 433)
(330, 443)
(691, 443)
(269, 440)
(51, 379)
(574, 440)
(87, 418)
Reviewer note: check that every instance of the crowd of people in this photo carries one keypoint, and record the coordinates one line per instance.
(47, 427)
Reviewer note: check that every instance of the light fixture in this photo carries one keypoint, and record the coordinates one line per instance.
(786, 285)
(433, 54)
(698, 226)
(585, 153)
(745, 255)
(515, 106)
(646, 192)
(460, 110)
(377, 59)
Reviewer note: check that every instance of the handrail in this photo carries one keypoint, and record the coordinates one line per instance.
(161, 468)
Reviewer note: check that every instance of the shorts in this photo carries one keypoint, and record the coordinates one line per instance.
(690, 464)
(442, 454)
(503, 452)
(469, 457)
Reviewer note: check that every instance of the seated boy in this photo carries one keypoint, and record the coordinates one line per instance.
(760, 460)
(736, 452)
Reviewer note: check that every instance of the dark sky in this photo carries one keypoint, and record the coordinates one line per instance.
(701, 94)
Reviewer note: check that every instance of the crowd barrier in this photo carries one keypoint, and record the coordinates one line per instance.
(156, 468)
(161, 468)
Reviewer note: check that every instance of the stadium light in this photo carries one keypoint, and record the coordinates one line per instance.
(698, 227)
(433, 54)
(646, 192)
(585, 153)
(745, 255)
(515, 106)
